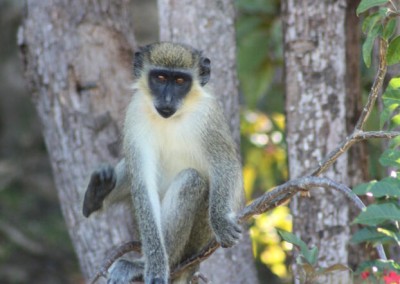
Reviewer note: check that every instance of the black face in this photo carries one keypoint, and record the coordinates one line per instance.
(168, 88)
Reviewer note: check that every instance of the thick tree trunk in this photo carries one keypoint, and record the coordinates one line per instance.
(209, 26)
(315, 62)
(77, 56)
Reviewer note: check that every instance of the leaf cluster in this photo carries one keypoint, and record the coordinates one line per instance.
(381, 218)
(307, 259)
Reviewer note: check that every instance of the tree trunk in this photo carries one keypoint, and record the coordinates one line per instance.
(357, 154)
(315, 62)
(209, 26)
(77, 56)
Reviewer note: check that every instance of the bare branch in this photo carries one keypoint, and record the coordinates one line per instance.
(264, 203)
(376, 86)
(376, 134)
(355, 137)
(197, 276)
(114, 255)
(205, 253)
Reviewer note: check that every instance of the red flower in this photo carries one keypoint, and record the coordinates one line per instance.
(365, 274)
(392, 278)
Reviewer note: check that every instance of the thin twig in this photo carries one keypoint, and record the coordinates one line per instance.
(376, 86)
(114, 255)
(376, 134)
(205, 253)
(201, 276)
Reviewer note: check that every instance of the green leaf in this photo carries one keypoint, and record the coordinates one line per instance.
(384, 117)
(389, 29)
(390, 158)
(369, 234)
(395, 121)
(370, 22)
(369, 44)
(389, 233)
(391, 100)
(391, 97)
(394, 83)
(363, 188)
(378, 213)
(291, 238)
(393, 53)
(386, 187)
(310, 256)
(366, 4)
(395, 142)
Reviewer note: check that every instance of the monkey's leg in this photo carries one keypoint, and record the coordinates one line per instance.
(186, 196)
(107, 185)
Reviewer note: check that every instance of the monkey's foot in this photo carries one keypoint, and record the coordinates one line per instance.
(227, 231)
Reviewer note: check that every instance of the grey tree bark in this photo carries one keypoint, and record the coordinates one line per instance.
(209, 26)
(315, 62)
(77, 57)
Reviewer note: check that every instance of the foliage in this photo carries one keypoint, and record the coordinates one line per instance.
(381, 218)
(307, 260)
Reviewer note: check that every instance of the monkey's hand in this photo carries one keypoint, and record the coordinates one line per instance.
(102, 182)
(227, 230)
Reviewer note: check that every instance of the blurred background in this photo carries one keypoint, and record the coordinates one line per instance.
(34, 243)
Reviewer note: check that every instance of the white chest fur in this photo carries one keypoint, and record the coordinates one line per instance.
(167, 146)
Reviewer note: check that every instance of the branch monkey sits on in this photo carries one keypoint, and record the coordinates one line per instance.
(180, 165)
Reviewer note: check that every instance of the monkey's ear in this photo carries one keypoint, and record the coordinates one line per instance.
(205, 70)
(137, 64)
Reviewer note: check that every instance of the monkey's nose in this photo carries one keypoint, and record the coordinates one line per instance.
(165, 111)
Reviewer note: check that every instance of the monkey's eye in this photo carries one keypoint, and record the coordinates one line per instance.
(161, 78)
(180, 81)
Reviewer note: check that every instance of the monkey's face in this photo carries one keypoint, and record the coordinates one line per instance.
(168, 88)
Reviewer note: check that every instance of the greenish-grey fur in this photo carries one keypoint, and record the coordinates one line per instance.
(205, 189)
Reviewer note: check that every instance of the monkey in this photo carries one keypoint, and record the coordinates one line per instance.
(180, 167)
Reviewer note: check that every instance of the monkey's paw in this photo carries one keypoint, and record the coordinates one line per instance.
(102, 182)
(227, 231)
(124, 271)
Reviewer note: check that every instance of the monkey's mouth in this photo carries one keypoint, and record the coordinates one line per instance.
(165, 111)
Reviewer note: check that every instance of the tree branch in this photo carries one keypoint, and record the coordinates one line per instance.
(266, 202)
(376, 86)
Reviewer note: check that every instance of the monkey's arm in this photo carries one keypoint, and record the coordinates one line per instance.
(107, 185)
(225, 186)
